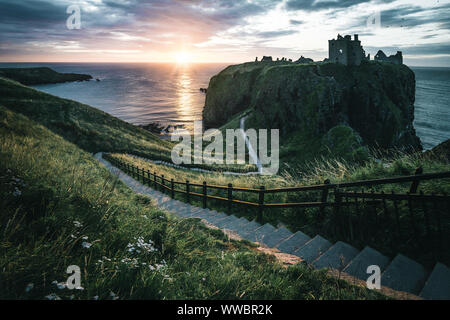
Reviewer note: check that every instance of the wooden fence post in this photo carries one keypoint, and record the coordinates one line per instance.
(204, 194)
(172, 188)
(324, 197)
(154, 180)
(415, 183)
(259, 218)
(188, 198)
(148, 177)
(230, 196)
(163, 183)
(337, 207)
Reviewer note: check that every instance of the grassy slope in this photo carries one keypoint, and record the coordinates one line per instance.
(49, 184)
(306, 220)
(32, 76)
(91, 129)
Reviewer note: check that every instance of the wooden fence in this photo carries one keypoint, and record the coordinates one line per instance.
(428, 215)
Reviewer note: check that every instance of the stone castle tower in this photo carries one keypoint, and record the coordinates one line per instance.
(346, 51)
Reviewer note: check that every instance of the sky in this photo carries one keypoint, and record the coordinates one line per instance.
(219, 30)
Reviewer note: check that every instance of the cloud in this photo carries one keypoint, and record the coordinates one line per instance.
(295, 22)
(246, 27)
(315, 5)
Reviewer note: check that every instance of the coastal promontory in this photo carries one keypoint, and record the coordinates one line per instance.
(320, 108)
(41, 75)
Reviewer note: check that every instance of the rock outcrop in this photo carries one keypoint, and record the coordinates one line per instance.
(41, 75)
(441, 151)
(375, 100)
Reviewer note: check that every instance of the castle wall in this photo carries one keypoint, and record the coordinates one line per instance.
(346, 51)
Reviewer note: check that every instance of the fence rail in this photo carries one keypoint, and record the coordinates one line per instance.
(332, 196)
(148, 177)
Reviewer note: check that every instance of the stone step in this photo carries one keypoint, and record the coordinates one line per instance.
(189, 212)
(437, 286)
(202, 214)
(211, 216)
(336, 257)
(260, 234)
(223, 222)
(367, 257)
(241, 225)
(404, 274)
(276, 237)
(313, 249)
(249, 227)
(233, 225)
(294, 242)
(219, 216)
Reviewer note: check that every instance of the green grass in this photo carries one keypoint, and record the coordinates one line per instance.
(89, 128)
(55, 196)
(379, 234)
(41, 75)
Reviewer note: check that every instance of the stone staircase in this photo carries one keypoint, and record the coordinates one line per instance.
(400, 274)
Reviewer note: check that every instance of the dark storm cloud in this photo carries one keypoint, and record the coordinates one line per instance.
(412, 16)
(428, 49)
(313, 5)
(295, 22)
(275, 34)
(36, 12)
(408, 17)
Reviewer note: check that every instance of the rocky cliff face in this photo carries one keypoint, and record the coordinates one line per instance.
(376, 100)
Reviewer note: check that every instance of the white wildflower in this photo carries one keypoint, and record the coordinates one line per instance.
(17, 192)
(113, 296)
(29, 287)
(86, 244)
(61, 285)
(53, 296)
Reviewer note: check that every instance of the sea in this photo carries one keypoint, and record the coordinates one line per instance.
(170, 94)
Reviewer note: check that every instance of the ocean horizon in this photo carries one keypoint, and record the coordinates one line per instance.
(168, 93)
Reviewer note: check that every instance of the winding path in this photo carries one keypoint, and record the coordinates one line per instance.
(401, 274)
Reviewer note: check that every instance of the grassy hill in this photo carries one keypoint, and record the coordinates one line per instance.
(327, 109)
(91, 129)
(60, 207)
(42, 75)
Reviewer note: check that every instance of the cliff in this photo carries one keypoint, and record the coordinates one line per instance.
(319, 108)
(41, 75)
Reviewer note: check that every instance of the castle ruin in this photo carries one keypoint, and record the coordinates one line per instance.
(395, 59)
(346, 51)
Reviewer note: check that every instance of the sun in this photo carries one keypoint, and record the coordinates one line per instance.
(182, 57)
